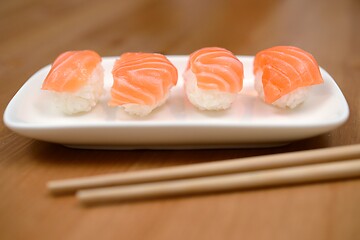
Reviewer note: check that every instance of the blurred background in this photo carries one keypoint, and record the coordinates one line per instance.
(34, 32)
(39, 30)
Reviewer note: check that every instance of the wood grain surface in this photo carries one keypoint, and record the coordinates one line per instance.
(34, 32)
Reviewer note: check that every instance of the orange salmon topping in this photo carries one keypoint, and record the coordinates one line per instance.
(71, 70)
(142, 78)
(285, 69)
(217, 69)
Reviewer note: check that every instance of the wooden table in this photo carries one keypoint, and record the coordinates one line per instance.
(34, 32)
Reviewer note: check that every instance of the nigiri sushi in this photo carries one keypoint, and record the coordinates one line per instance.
(142, 82)
(76, 80)
(283, 75)
(213, 78)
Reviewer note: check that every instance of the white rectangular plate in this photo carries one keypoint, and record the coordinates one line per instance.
(177, 124)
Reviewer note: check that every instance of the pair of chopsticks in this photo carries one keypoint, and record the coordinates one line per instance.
(227, 175)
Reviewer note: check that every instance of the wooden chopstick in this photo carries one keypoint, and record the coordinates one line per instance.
(265, 178)
(209, 169)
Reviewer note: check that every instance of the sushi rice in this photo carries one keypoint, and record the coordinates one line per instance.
(290, 100)
(213, 78)
(141, 110)
(206, 99)
(84, 99)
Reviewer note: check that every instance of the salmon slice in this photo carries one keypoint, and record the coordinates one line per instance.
(71, 71)
(284, 69)
(142, 78)
(217, 69)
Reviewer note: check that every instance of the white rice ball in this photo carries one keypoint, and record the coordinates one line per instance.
(290, 100)
(141, 110)
(85, 98)
(206, 99)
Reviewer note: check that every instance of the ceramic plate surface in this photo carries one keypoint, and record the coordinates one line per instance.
(177, 124)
